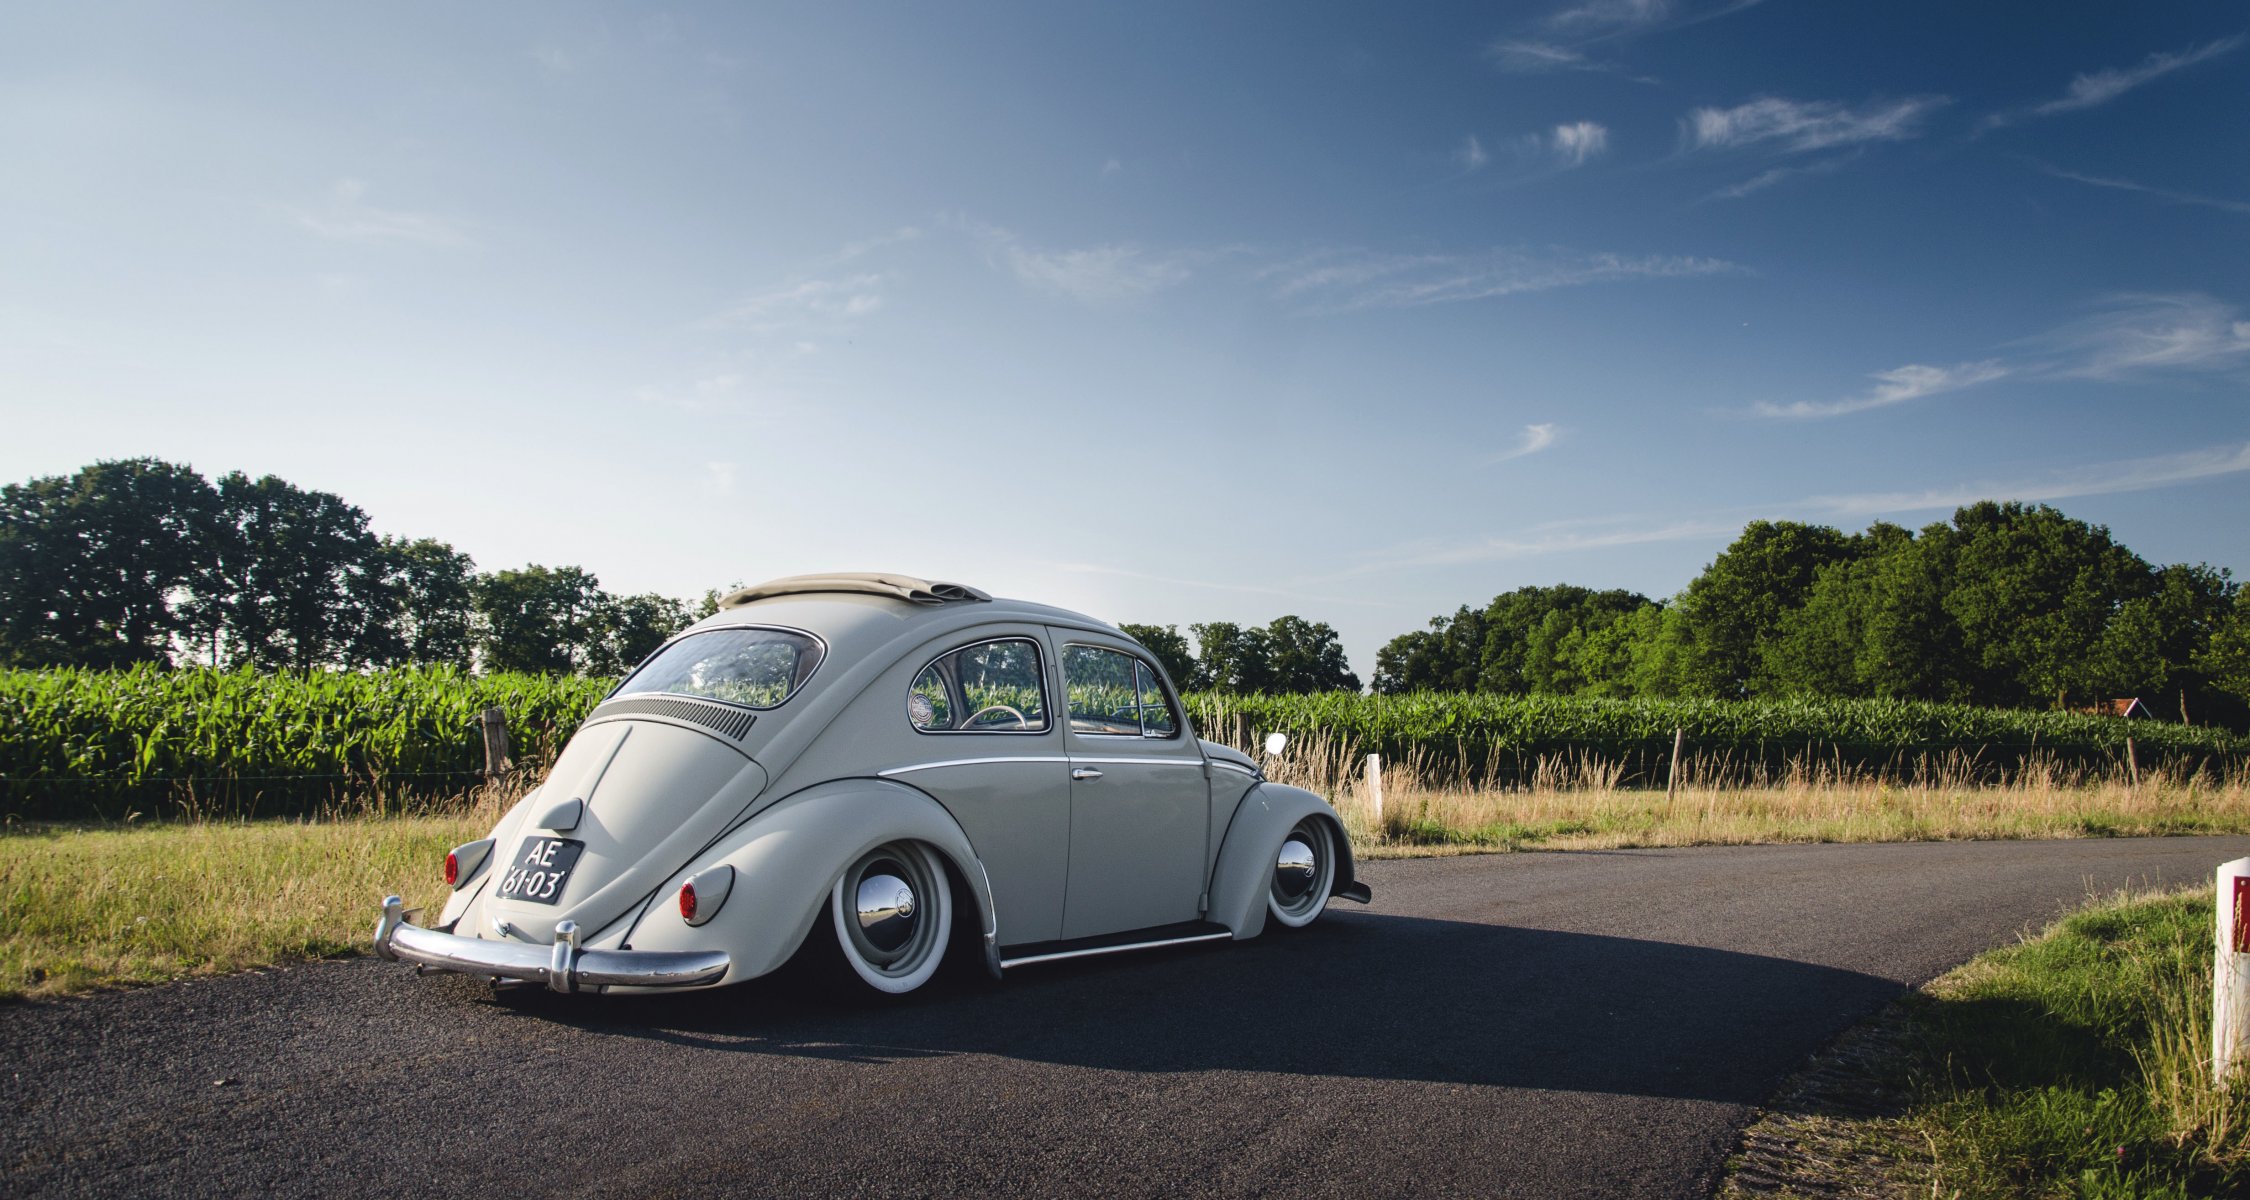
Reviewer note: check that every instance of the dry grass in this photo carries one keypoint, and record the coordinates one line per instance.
(1579, 803)
(86, 907)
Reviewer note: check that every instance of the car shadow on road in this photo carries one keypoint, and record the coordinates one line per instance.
(1357, 995)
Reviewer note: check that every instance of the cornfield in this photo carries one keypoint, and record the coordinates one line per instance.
(77, 744)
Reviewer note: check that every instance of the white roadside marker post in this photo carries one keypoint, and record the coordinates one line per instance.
(2230, 973)
(1375, 786)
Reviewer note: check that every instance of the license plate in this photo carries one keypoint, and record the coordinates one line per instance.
(541, 869)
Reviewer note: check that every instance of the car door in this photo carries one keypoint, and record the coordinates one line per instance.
(1139, 801)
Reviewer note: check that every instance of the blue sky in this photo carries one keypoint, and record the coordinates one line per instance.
(1168, 313)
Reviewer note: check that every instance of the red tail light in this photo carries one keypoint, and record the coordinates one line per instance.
(687, 901)
(452, 869)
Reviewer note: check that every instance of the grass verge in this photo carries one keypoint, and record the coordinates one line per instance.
(89, 907)
(2073, 1064)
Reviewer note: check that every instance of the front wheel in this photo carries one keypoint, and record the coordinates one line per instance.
(893, 915)
(1304, 871)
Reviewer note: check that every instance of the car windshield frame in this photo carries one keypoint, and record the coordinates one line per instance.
(796, 687)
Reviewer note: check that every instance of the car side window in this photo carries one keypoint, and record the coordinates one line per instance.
(1157, 718)
(991, 687)
(1111, 692)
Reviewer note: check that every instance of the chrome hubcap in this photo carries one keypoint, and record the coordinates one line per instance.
(886, 911)
(1296, 870)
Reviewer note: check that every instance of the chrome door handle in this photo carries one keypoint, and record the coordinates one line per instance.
(1085, 773)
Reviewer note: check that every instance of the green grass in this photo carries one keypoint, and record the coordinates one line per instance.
(85, 908)
(2073, 1064)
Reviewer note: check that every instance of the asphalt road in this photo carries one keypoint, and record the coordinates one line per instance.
(1581, 1024)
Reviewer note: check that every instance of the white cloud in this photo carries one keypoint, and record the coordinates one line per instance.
(1471, 156)
(718, 478)
(2096, 88)
(553, 59)
(1111, 167)
(1896, 386)
(902, 234)
(1534, 57)
(2131, 337)
(825, 302)
(1532, 440)
(348, 216)
(2089, 479)
(1609, 14)
(1341, 280)
(2144, 333)
(1800, 126)
(2092, 479)
(1578, 141)
(1094, 275)
(2127, 185)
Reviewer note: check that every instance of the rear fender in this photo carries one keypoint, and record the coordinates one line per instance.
(468, 901)
(1240, 883)
(786, 861)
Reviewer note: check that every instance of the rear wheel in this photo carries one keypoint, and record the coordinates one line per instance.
(1304, 871)
(893, 914)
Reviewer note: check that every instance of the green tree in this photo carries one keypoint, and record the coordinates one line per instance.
(2034, 594)
(92, 564)
(1305, 656)
(2224, 659)
(627, 629)
(1738, 602)
(1446, 657)
(1230, 658)
(540, 619)
(293, 578)
(430, 590)
(1172, 653)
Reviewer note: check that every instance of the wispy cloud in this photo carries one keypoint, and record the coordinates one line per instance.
(1339, 280)
(348, 216)
(2091, 479)
(1588, 15)
(1470, 157)
(1895, 386)
(2140, 334)
(1532, 440)
(1803, 126)
(2130, 337)
(802, 304)
(2096, 88)
(1578, 141)
(1773, 175)
(2061, 483)
(2127, 185)
(881, 241)
(1080, 568)
(1102, 274)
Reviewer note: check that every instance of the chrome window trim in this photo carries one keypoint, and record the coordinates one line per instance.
(1178, 726)
(685, 634)
(1036, 649)
(971, 762)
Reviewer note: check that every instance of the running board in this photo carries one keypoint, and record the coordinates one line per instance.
(1182, 934)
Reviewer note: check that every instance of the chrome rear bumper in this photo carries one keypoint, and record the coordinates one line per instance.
(563, 967)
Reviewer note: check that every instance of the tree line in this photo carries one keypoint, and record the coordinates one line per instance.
(2007, 605)
(145, 561)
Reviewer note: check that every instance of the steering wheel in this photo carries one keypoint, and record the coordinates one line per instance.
(1021, 723)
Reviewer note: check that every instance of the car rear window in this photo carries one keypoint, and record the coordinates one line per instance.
(756, 668)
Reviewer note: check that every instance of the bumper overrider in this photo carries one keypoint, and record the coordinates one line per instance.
(563, 967)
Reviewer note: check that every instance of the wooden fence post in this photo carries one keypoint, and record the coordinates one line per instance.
(2132, 762)
(1375, 786)
(496, 762)
(1672, 770)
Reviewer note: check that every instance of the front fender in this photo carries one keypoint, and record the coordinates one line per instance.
(788, 857)
(1240, 882)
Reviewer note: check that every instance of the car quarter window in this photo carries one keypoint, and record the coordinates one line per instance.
(1111, 692)
(990, 687)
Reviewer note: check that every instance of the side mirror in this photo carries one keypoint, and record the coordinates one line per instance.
(1275, 742)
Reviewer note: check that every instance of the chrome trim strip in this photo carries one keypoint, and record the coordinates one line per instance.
(1178, 941)
(561, 966)
(972, 762)
(1224, 765)
(1129, 762)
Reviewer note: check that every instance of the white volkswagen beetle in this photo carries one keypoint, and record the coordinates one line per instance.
(878, 763)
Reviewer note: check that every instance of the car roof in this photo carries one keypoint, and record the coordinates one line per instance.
(858, 623)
